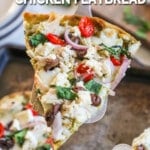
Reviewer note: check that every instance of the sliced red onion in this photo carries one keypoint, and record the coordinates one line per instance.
(121, 73)
(74, 44)
(122, 147)
(57, 126)
(100, 113)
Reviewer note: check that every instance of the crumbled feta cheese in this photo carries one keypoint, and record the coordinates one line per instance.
(15, 125)
(45, 50)
(52, 27)
(67, 60)
(85, 98)
(110, 38)
(134, 47)
(46, 77)
(92, 53)
(62, 80)
(96, 65)
(50, 98)
(75, 31)
(24, 116)
(31, 141)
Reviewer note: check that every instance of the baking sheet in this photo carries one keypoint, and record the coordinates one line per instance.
(16, 73)
(126, 117)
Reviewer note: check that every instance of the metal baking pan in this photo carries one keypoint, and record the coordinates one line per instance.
(16, 73)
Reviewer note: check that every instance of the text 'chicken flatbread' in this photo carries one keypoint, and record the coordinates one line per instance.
(78, 62)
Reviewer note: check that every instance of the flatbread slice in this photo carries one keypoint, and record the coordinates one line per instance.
(21, 128)
(142, 142)
(78, 62)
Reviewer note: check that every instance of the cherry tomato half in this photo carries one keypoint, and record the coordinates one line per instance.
(55, 39)
(117, 62)
(86, 27)
(86, 72)
(82, 68)
(2, 129)
(50, 141)
(29, 106)
(87, 77)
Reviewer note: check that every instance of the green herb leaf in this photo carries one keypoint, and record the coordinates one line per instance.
(65, 93)
(44, 147)
(141, 34)
(37, 39)
(72, 81)
(93, 86)
(116, 51)
(20, 137)
(142, 25)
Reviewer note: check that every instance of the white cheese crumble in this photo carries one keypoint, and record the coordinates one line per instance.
(110, 38)
(62, 80)
(45, 50)
(24, 116)
(134, 47)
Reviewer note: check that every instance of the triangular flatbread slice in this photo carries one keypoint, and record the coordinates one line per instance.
(78, 62)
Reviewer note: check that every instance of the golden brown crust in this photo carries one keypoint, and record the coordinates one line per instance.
(35, 100)
(37, 18)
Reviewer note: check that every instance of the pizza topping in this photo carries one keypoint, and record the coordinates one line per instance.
(65, 93)
(116, 61)
(93, 86)
(55, 39)
(81, 54)
(50, 115)
(96, 101)
(51, 63)
(86, 27)
(6, 143)
(74, 45)
(30, 107)
(121, 73)
(20, 137)
(85, 72)
(37, 39)
(2, 129)
(44, 147)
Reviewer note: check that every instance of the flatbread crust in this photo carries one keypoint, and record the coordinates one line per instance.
(31, 24)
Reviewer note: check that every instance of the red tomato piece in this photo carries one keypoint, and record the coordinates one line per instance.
(55, 39)
(29, 106)
(117, 62)
(82, 68)
(86, 27)
(2, 129)
(86, 72)
(88, 77)
(50, 141)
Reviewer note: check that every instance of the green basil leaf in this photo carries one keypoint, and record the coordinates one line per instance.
(20, 137)
(116, 51)
(93, 86)
(65, 93)
(37, 39)
(44, 147)
(143, 26)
